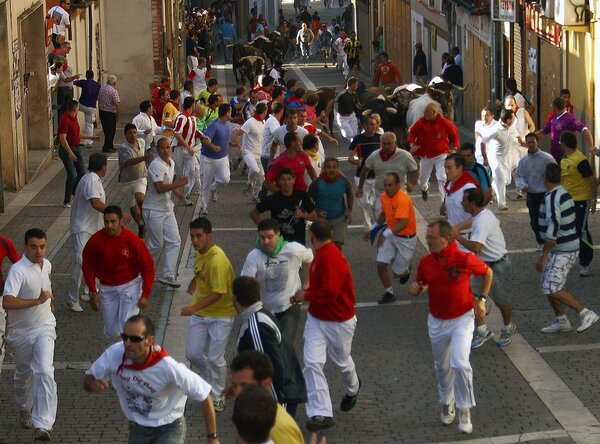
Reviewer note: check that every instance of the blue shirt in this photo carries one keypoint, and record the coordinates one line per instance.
(228, 31)
(481, 175)
(329, 197)
(219, 133)
(89, 92)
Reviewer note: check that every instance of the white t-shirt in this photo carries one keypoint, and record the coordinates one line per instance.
(26, 280)
(491, 145)
(454, 208)
(84, 217)
(271, 124)
(159, 171)
(401, 162)
(252, 143)
(58, 14)
(199, 79)
(278, 277)
(153, 396)
(485, 229)
(280, 133)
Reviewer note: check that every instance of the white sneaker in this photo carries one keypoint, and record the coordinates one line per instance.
(540, 247)
(588, 319)
(584, 271)
(464, 421)
(448, 414)
(75, 307)
(169, 281)
(85, 296)
(558, 326)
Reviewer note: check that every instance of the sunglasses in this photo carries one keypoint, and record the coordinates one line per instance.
(132, 338)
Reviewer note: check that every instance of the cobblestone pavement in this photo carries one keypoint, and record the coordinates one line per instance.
(538, 389)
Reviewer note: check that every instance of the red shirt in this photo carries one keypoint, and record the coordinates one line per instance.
(116, 260)
(7, 249)
(448, 275)
(158, 110)
(70, 126)
(387, 73)
(331, 293)
(433, 136)
(298, 164)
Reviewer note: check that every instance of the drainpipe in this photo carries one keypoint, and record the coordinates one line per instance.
(90, 36)
(164, 35)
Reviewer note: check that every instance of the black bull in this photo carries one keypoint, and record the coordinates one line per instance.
(240, 51)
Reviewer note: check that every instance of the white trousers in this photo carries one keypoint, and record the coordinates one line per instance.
(117, 304)
(212, 169)
(367, 201)
(501, 176)
(324, 339)
(348, 125)
(256, 174)
(205, 348)
(342, 62)
(79, 240)
(186, 165)
(89, 115)
(426, 165)
(451, 346)
(34, 385)
(163, 231)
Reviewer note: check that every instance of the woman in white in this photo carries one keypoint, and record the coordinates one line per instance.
(507, 143)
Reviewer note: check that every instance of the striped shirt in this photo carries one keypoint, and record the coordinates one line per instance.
(186, 126)
(557, 220)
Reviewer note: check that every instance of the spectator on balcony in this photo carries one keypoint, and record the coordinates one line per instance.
(87, 102)
(109, 104)
(60, 22)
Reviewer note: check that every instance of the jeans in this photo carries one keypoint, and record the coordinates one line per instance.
(586, 252)
(173, 433)
(75, 171)
(288, 322)
(534, 200)
(109, 126)
(305, 50)
(263, 191)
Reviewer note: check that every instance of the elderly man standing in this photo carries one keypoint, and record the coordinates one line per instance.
(445, 273)
(431, 137)
(109, 105)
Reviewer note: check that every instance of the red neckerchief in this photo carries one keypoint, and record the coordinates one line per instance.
(384, 156)
(310, 128)
(464, 179)
(328, 179)
(258, 117)
(295, 99)
(157, 353)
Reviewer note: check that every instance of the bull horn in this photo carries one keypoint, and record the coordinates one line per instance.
(230, 45)
(460, 88)
(367, 112)
(250, 43)
(391, 110)
(392, 97)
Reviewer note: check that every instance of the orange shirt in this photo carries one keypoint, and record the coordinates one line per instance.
(397, 207)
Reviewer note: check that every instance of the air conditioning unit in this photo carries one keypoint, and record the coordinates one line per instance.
(567, 13)
(547, 7)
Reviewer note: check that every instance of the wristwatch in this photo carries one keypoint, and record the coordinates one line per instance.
(212, 435)
(482, 297)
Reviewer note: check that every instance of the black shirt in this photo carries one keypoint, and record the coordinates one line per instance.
(346, 103)
(420, 60)
(364, 146)
(454, 74)
(283, 208)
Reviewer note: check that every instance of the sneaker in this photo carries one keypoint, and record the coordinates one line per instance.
(502, 207)
(169, 281)
(187, 203)
(540, 247)
(558, 326)
(42, 435)
(588, 319)
(214, 195)
(349, 402)
(584, 271)
(405, 277)
(255, 200)
(85, 297)
(448, 414)
(464, 421)
(317, 423)
(386, 298)
(520, 195)
(480, 339)
(67, 205)
(506, 335)
(142, 231)
(219, 405)
(425, 195)
(25, 419)
(203, 211)
(75, 307)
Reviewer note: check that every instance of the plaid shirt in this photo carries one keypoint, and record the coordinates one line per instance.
(108, 98)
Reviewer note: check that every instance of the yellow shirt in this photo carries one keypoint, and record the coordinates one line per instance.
(170, 112)
(572, 180)
(285, 430)
(214, 274)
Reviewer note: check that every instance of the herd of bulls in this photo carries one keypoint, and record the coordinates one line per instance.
(398, 105)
